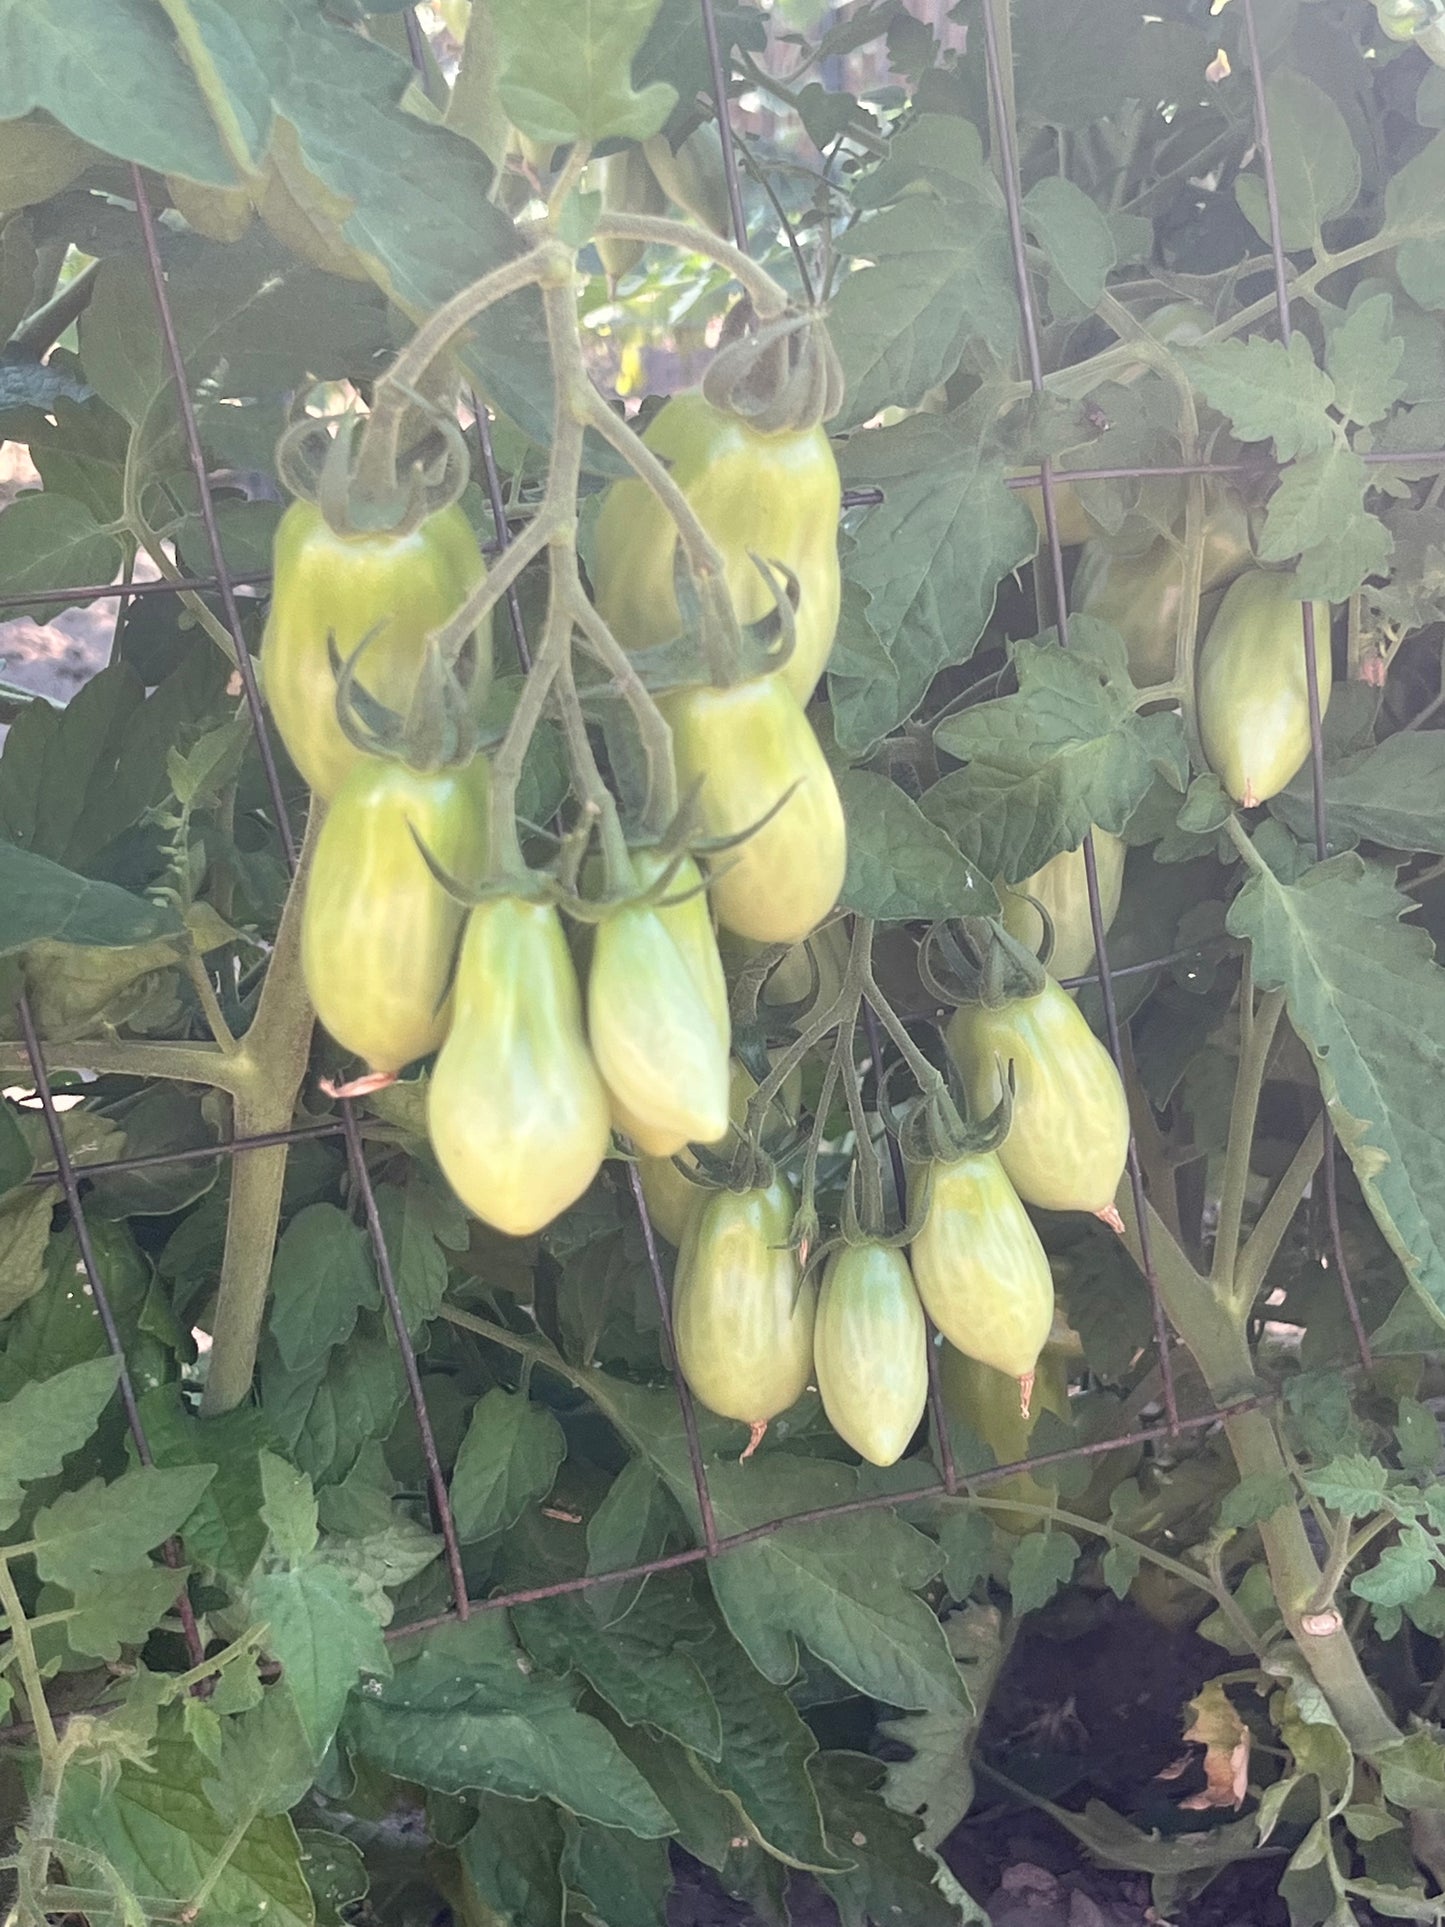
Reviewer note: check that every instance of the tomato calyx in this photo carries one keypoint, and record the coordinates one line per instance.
(429, 478)
(977, 961)
(712, 646)
(784, 375)
(440, 730)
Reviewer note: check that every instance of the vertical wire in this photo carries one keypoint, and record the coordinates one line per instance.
(499, 522)
(1009, 171)
(361, 1177)
(724, 125)
(1312, 670)
(65, 1170)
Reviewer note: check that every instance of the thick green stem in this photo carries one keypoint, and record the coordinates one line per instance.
(272, 1062)
(174, 1063)
(768, 299)
(1256, 1039)
(1272, 1223)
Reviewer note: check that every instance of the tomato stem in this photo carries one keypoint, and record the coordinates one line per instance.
(1256, 1041)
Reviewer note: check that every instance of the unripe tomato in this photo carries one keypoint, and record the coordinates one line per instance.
(687, 917)
(627, 186)
(979, 1267)
(692, 175)
(348, 586)
(989, 1404)
(378, 932)
(742, 1313)
(38, 158)
(1069, 1138)
(750, 747)
(1141, 595)
(1062, 887)
(774, 496)
(656, 1040)
(517, 1113)
(671, 1195)
(1076, 525)
(1254, 714)
(220, 213)
(870, 1351)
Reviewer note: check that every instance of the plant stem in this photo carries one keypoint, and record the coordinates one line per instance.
(768, 299)
(1257, 1036)
(178, 1063)
(1272, 1223)
(270, 1064)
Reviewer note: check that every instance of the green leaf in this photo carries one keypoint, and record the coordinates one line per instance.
(1393, 794)
(335, 1872)
(1066, 754)
(288, 1509)
(1363, 355)
(507, 1463)
(1315, 500)
(900, 865)
(1255, 1499)
(420, 1224)
(156, 1827)
(966, 1540)
(637, 1666)
(936, 1782)
(930, 558)
(890, 1878)
(1353, 1485)
(1268, 391)
(46, 1421)
(121, 1609)
(631, 1526)
(50, 542)
(461, 1714)
(937, 276)
(1042, 1562)
(1365, 994)
(322, 1277)
(225, 1531)
(1120, 1567)
(17, 1161)
(1075, 235)
(766, 1754)
(1316, 166)
(626, 1879)
(1418, 1431)
(1412, 1774)
(42, 900)
(1403, 1571)
(513, 1854)
(106, 1528)
(325, 1417)
(325, 1639)
(1415, 214)
(566, 70)
(24, 1235)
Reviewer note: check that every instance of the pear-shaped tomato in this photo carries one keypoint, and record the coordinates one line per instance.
(990, 1405)
(674, 1195)
(1254, 713)
(870, 1351)
(388, 590)
(687, 916)
(1062, 887)
(627, 185)
(1141, 595)
(378, 932)
(980, 1270)
(1069, 1138)
(752, 750)
(657, 1043)
(516, 1111)
(776, 497)
(742, 1314)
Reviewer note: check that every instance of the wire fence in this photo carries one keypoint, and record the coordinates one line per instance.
(69, 1175)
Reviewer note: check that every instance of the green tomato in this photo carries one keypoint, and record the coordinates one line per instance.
(517, 1112)
(751, 748)
(38, 158)
(742, 1313)
(1063, 889)
(673, 1188)
(1141, 595)
(1069, 1138)
(870, 1351)
(692, 176)
(980, 1270)
(1254, 714)
(773, 496)
(990, 1404)
(627, 186)
(388, 590)
(661, 1052)
(687, 917)
(378, 932)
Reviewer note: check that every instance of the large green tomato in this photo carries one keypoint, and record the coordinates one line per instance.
(751, 748)
(378, 932)
(1069, 1138)
(393, 588)
(980, 1270)
(870, 1351)
(1141, 595)
(661, 1052)
(1254, 713)
(773, 496)
(687, 917)
(742, 1314)
(1062, 887)
(517, 1112)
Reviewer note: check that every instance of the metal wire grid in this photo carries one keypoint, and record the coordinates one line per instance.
(224, 582)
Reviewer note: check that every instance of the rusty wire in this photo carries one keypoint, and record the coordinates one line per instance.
(68, 1175)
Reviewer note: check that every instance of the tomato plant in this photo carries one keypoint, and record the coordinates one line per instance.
(377, 1538)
